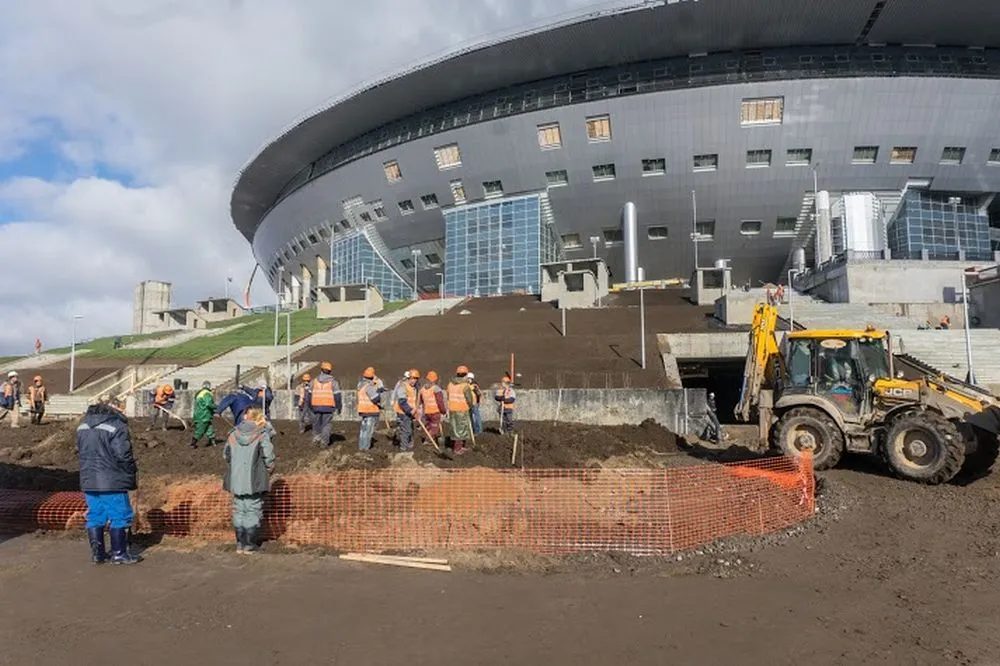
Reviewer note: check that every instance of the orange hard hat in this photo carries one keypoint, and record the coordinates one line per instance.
(37, 378)
(461, 370)
(326, 366)
(432, 376)
(369, 373)
(168, 389)
(414, 373)
(505, 379)
(306, 377)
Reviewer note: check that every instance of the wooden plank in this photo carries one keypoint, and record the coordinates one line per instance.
(376, 559)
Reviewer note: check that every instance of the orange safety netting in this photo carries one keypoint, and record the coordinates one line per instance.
(645, 511)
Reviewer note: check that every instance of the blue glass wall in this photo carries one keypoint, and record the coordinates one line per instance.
(934, 222)
(354, 260)
(495, 247)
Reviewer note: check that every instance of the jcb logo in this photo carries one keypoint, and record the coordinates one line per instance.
(900, 393)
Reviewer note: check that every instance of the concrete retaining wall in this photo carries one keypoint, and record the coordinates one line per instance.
(886, 281)
(682, 411)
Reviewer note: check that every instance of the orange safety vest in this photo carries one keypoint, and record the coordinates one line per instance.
(36, 393)
(365, 404)
(428, 396)
(503, 394)
(411, 398)
(456, 397)
(161, 396)
(322, 394)
(8, 389)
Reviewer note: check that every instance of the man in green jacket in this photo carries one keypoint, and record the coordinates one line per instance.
(204, 410)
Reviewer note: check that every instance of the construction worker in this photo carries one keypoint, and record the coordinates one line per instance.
(714, 430)
(10, 398)
(107, 474)
(945, 322)
(249, 454)
(477, 394)
(324, 400)
(163, 402)
(262, 397)
(38, 395)
(432, 405)
(460, 402)
(404, 403)
(204, 411)
(505, 398)
(370, 392)
(301, 397)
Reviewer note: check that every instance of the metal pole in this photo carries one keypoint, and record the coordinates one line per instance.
(364, 281)
(277, 304)
(329, 267)
(288, 349)
(791, 306)
(72, 357)
(968, 335)
(441, 293)
(694, 227)
(563, 321)
(642, 325)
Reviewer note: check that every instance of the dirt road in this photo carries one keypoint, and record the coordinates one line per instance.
(889, 573)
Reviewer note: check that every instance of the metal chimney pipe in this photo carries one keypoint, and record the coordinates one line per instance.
(630, 234)
(824, 228)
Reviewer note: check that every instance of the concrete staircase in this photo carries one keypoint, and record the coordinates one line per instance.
(39, 361)
(813, 313)
(223, 368)
(182, 336)
(945, 350)
(67, 404)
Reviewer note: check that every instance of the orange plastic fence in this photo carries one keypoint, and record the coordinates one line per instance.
(549, 511)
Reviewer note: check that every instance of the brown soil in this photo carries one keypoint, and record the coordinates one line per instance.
(601, 348)
(44, 457)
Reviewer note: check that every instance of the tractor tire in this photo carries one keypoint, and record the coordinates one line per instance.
(804, 425)
(924, 447)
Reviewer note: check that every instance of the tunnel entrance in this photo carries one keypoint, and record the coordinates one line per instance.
(723, 377)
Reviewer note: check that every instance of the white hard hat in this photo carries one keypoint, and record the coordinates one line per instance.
(12, 373)
(471, 375)
(406, 375)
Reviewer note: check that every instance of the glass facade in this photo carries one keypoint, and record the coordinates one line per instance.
(942, 225)
(354, 261)
(496, 247)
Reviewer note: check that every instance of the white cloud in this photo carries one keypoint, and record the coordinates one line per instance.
(152, 106)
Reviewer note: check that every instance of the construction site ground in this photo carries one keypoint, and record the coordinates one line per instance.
(601, 348)
(888, 572)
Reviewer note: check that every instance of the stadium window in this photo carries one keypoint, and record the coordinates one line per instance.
(603, 172)
(571, 241)
(549, 136)
(994, 159)
(457, 191)
(762, 111)
(557, 178)
(750, 227)
(654, 167)
(324, 233)
(393, 173)
(366, 216)
(613, 236)
(379, 213)
(312, 239)
(344, 224)
(407, 263)
(785, 226)
(405, 206)
(953, 155)
(903, 155)
(599, 128)
(429, 201)
(492, 188)
(798, 157)
(705, 229)
(433, 259)
(706, 162)
(656, 233)
(865, 155)
(758, 158)
(448, 157)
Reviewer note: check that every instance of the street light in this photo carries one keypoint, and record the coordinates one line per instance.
(595, 241)
(277, 304)
(72, 355)
(791, 307)
(415, 253)
(364, 281)
(694, 228)
(440, 293)
(229, 281)
(968, 335)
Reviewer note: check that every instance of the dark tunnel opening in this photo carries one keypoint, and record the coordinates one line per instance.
(724, 377)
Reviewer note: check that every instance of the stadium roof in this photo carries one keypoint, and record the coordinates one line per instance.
(633, 33)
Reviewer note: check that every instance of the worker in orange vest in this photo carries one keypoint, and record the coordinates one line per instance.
(369, 394)
(460, 403)
(477, 395)
(10, 398)
(505, 398)
(404, 403)
(324, 401)
(38, 395)
(945, 322)
(163, 402)
(302, 403)
(432, 405)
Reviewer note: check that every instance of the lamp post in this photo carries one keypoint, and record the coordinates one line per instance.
(72, 355)
(642, 325)
(968, 335)
(415, 253)
(694, 228)
(229, 281)
(594, 241)
(791, 307)
(364, 281)
(440, 293)
(277, 304)
(288, 348)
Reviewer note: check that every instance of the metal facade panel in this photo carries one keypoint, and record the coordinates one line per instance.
(830, 116)
(940, 22)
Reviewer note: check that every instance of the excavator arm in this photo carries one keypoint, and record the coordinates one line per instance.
(762, 356)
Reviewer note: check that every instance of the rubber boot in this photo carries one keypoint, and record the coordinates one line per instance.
(194, 442)
(240, 539)
(97, 551)
(459, 447)
(212, 441)
(119, 547)
(251, 543)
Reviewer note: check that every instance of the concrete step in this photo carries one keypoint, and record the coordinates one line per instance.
(182, 336)
(945, 350)
(39, 361)
(67, 405)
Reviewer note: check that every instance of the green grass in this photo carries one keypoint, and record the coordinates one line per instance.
(8, 359)
(392, 306)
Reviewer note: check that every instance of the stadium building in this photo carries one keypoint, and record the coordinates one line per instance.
(719, 119)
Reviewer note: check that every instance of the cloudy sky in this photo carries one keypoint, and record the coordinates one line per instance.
(123, 124)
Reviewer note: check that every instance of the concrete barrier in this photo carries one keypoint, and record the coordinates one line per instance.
(683, 411)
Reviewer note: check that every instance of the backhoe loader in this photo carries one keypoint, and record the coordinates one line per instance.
(840, 390)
